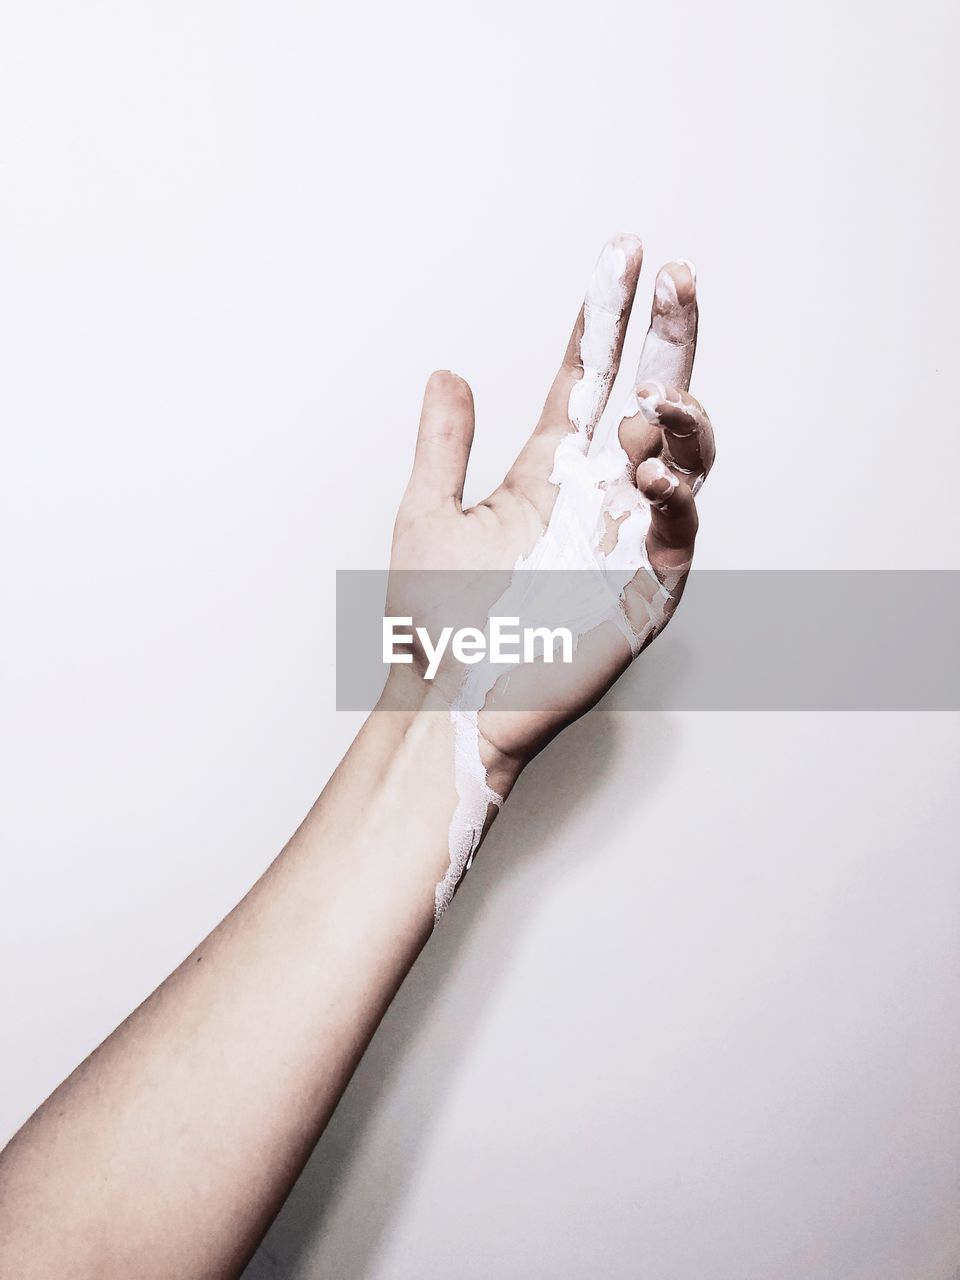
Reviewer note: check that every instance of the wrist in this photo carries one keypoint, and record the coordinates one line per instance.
(414, 707)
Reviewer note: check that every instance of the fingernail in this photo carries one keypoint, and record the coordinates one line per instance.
(690, 267)
(650, 395)
(664, 479)
(665, 289)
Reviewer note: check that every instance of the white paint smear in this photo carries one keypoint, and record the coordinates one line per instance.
(594, 480)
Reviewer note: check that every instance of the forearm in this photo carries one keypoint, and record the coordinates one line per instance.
(170, 1149)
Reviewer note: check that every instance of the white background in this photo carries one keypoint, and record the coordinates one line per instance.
(696, 1013)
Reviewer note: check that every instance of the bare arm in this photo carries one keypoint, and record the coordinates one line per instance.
(169, 1150)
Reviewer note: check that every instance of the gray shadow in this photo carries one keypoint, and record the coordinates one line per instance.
(355, 1181)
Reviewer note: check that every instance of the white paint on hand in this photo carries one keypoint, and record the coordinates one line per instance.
(595, 485)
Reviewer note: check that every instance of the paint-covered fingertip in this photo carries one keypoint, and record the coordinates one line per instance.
(655, 481)
(649, 397)
(631, 244)
(685, 262)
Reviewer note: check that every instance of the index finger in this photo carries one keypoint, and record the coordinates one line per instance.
(580, 390)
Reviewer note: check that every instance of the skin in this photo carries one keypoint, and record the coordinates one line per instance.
(433, 531)
(168, 1152)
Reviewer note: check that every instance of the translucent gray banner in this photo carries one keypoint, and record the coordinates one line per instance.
(753, 640)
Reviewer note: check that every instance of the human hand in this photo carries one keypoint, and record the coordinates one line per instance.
(614, 505)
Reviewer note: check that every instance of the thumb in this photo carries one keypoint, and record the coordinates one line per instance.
(444, 439)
